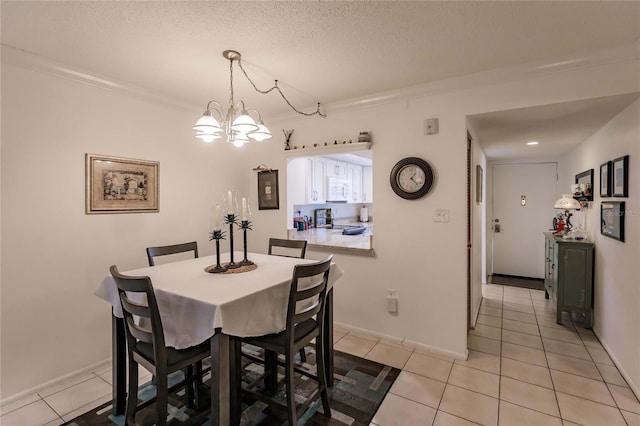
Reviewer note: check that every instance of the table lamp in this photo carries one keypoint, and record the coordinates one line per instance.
(567, 203)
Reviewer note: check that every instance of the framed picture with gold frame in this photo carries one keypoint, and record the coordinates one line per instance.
(121, 185)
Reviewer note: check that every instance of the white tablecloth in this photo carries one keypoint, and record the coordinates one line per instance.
(194, 303)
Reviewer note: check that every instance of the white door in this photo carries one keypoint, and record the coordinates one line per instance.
(523, 198)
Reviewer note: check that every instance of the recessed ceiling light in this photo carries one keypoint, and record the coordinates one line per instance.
(532, 143)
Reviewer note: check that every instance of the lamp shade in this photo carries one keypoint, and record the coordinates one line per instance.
(207, 125)
(261, 134)
(567, 202)
(244, 123)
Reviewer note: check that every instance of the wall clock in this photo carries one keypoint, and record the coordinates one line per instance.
(411, 178)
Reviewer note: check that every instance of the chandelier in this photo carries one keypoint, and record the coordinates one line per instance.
(237, 124)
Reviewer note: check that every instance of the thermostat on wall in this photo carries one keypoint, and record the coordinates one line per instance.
(430, 126)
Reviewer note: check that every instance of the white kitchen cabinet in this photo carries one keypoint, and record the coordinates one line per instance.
(297, 181)
(367, 184)
(354, 173)
(306, 180)
(316, 180)
(337, 169)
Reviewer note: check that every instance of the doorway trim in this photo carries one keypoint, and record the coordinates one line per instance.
(469, 228)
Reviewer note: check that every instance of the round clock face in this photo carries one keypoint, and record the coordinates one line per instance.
(411, 178)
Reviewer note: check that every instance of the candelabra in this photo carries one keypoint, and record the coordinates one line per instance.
(231, 219)
(245, 225)
(217, 235)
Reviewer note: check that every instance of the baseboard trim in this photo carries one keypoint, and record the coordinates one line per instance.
(633, 386)
(406, 342)
(36, 389)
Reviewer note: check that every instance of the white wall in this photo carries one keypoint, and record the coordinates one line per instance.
(424, 261)
(616, 290)
(53, 255)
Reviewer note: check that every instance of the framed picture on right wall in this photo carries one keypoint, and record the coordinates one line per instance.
(620, 176)
(605, 179)
(612, 219)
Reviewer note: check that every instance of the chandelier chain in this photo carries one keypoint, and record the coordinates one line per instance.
(231, 82)
(275, 87)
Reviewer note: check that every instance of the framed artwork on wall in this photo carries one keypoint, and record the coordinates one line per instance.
(620, 176)
(479, 178)
(121, 185)
(268, 194)
(612, 219)
(605, 179)
(585, 180)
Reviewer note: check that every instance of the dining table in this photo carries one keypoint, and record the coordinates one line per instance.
(196, 305)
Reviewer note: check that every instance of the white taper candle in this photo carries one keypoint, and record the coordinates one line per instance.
(244, 209)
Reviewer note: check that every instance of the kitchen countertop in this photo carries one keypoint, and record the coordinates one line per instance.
(333, 238)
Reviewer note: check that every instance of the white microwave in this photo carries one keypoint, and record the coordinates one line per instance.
(338, 190)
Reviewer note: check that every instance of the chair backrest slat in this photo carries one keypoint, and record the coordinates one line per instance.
(138, 309)
(138, 332)
(287, 248)
(309, 294)
(309, 312)
(153, 252)
(139, 301)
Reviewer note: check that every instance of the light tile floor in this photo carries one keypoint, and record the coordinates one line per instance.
(523, 369)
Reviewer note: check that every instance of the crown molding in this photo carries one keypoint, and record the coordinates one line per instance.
(33, 62)
(623, 53)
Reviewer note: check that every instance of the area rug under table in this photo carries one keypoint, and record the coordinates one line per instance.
(359, 387)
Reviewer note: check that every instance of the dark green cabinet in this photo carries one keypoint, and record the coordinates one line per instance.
(569, 276)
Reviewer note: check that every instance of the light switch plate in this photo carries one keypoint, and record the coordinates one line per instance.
(441, 215)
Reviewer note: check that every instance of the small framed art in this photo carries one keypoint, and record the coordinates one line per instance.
(121, 185)
(268, 194)
(612, 219)
(585, 180)
(605, 179)
(479, 179)
(620, 176)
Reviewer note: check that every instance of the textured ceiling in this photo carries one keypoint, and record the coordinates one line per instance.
(557, 127)
(320, 51)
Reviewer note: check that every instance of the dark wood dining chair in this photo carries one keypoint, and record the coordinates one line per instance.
(153, 252)
(146, 347)
(289, 248)
(302, 326)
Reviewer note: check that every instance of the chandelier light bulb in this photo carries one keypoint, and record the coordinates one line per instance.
(205, 137)
(240, 139)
